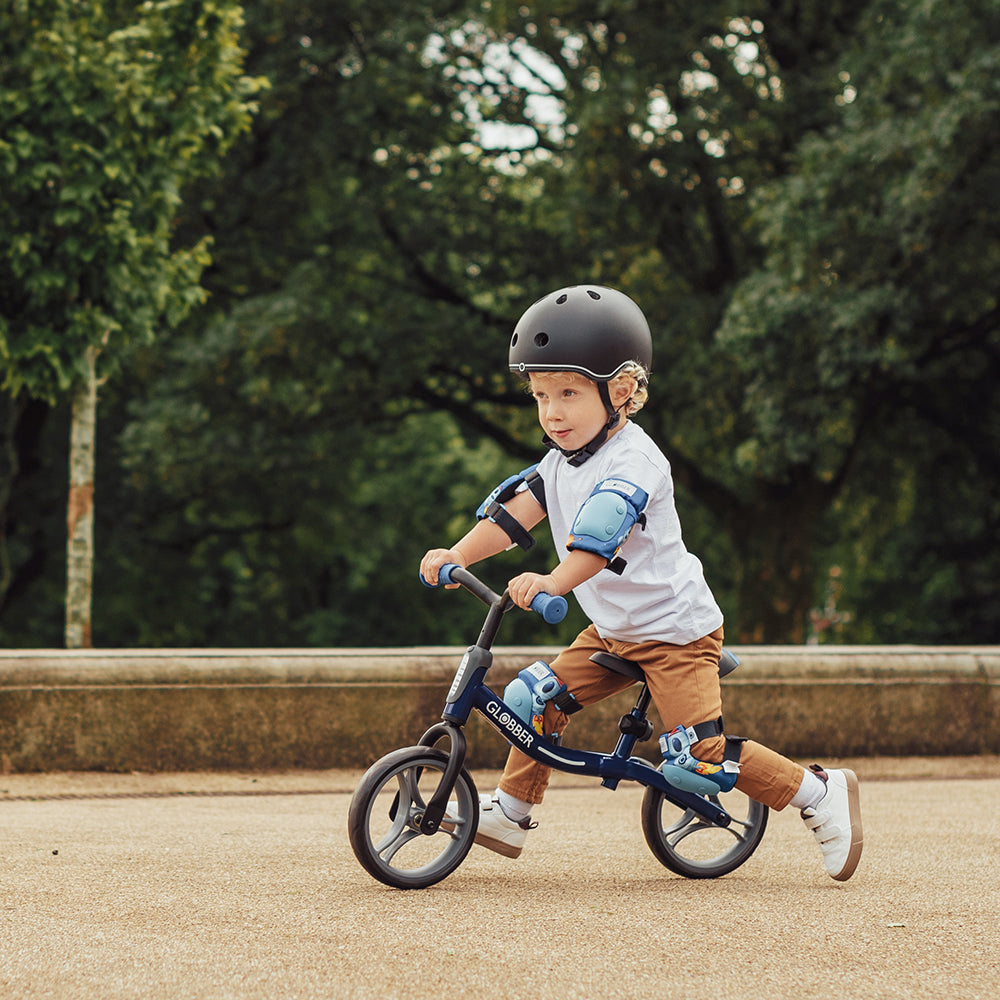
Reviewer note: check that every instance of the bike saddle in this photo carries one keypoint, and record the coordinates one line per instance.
(629, 668)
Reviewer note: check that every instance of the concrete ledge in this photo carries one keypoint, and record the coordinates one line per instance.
(194, 709)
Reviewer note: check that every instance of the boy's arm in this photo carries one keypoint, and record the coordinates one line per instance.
(601, 527)
(484, 540)
(577, 567)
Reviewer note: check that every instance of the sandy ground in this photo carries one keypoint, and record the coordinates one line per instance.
(223, 886)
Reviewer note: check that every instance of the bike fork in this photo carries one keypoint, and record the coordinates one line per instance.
(438, 804)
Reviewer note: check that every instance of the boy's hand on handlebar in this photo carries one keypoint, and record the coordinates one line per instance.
(525, 588)
(434, 559)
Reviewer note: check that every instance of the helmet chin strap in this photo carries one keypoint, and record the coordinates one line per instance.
(584, 454)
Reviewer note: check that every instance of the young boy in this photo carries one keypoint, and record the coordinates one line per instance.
(606, 487)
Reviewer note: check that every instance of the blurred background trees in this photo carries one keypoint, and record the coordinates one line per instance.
(108, 112)
(800, 196)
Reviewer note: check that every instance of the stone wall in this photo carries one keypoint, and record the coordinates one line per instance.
(155, 710)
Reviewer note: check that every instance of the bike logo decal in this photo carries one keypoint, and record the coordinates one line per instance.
(523, 734)
(511, 723)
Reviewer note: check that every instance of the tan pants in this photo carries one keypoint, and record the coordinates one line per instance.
(684, 684)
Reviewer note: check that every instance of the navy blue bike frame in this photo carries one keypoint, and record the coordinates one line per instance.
(469, 691)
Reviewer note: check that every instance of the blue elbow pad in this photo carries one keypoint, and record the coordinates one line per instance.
(530, 480)
(493, 506)
(607, 518)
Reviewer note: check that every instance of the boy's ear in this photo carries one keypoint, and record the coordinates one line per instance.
(621, 390)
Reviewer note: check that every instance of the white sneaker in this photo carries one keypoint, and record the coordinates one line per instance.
(836, 822)
(498, 833)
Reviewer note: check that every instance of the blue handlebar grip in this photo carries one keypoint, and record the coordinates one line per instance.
(444, 575)
(552, 609)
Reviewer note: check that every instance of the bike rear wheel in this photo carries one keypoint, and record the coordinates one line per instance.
(692, 846)
(383, 821)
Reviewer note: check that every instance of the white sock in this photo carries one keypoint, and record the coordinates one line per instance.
(514, 809)
(810, 792)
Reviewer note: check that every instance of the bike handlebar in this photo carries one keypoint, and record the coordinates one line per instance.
(551, 609)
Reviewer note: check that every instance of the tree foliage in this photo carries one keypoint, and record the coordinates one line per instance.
(868, 339)
(108, 110)
(798, 195)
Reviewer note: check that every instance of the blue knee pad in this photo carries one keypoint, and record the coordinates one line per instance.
(683, 770)
(527, 694)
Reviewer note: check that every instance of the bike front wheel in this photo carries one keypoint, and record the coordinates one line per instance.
(695, 848)
(384, 818)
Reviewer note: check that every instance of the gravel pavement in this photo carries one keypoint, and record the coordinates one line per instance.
(237, 886)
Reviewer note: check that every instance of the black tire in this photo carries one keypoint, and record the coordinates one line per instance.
(383, 822)
(695, 848)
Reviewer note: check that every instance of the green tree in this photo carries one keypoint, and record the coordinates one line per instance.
(290, 507)
(280, 451)
(660, 149)
(107, 111)
(800, 198)
(417, 175)
(870, 337)
(626, 148)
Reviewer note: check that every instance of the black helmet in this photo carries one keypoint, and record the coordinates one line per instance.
(588, 329)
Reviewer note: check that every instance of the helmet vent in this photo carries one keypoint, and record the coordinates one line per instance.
(561, 299)
(593, 295)
(541, 339)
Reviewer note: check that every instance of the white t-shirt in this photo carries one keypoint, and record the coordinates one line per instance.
(662, 594)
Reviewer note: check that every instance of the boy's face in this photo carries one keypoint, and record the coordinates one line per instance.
(570, 409)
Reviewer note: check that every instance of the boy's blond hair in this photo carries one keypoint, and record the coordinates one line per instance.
(631, 370)
(640, 394)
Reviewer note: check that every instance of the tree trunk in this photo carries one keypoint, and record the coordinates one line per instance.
(80, 516)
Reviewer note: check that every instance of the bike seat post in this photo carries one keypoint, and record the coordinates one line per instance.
(633, 727)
